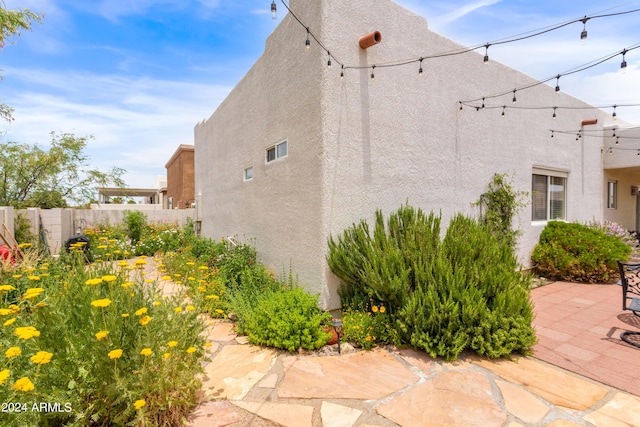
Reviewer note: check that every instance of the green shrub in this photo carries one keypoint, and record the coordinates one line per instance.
(462, 292)
(135, 222)
(288, 319)
(576, 252)
(369, 328)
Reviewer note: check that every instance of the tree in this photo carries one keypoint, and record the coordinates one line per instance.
(33, 177)
(11, 23)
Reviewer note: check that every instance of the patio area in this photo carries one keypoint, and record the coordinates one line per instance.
(578, 328)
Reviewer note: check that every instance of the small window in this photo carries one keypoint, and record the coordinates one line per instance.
(612, 194)
(277, 151)
(549, 197)
(248, 173)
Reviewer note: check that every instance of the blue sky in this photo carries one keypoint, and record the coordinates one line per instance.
(139, 74)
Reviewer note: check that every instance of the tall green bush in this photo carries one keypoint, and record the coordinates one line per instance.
(460, 292)
(576, 252)
(135, 222)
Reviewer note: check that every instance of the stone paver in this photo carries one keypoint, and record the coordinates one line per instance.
(544, 381)
(235, 370)
(338, 415)
(221, 331)
(622, 409)
(521, 403)
(287, 415)
(214, 414)
(450, 399)
(367, 375)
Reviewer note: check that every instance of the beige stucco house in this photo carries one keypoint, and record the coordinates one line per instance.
(296, 153)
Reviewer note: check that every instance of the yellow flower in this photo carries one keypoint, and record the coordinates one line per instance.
(4, 375)
(139, 404)
(203, 267)
(9, 322)
(13, 309)
(213, 297)
(101, 302)
(32, 293)
(191, 350)
(172, 343)
(26, 332)
(4, 311)
(140, 262)
(146, 352)
(166, 356)
(141, 311)
(41, 357)
(207, 344)
(125, 314)
(127, 284)
(102, 335)
(123, 263)
(144, 320)
(109, 278)
(219, 311)
(95, 281)
(190, 263)
(177, 309)
(4, 288)
(156, 303)
(17, 276)
(190, 308)
(23, 384)
(382, 309)
(148, 280)
(374, 308)
(34, 278)
(166, 278)
(102, 246)
(115, 354)
(13, 352)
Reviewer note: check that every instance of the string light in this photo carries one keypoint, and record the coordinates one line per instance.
(514, 97)
(329, 60)
(583, 34)
(373, 77)
(308, 42)
(617, 140)
(342, 71)
(614, 115)
(623, 64)
(460, 106)
(486, 53)
(274, 15)
(420, 69)
(482, 103)
(558, 83)
(554, 113)
(638, 152)
(503, 108)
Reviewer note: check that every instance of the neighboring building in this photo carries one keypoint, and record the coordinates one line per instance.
(296, 154)
(180, 179)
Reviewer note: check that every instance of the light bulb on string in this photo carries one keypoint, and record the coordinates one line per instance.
(638, 152)
(514, 96)
(552, 135)
(554, 113)
(420, 69)
(342, 71)
(460, 102)
(503, 108)
(558, 83)
(623, 64)
(329, 59)
(373, 77)
(583, 34)
(482, 103)
(578, 136)
(274, 15)
(486, 53)
(614, 114)
(308, 42)
(617, 140)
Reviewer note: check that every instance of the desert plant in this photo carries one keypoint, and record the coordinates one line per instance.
(576, 252)
(135, 222)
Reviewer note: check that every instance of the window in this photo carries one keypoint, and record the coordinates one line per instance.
(612, 194)
(248, 174)
(549, 197)
(277, 151)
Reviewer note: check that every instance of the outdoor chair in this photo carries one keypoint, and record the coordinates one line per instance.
(630, 282)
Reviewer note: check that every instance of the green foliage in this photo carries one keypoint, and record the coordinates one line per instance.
(576, 252)
(22, 229)
(62, 302)
(367, 328)
(288, 319)
(33, 177)
(463, 291)
(134, 222)
(500, 205)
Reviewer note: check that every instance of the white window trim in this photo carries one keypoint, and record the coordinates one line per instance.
(244, 174)
(551, 172)
(275, 147)
(614, 205)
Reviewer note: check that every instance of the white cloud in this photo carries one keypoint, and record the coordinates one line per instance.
(463, 10)
(137, 122)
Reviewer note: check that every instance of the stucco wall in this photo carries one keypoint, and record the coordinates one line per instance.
(357, 145)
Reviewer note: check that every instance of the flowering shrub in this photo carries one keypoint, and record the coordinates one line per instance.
(101, 345)
(611, 228)
(370, 328)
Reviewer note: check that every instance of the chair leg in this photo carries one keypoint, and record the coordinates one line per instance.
(632, 338)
